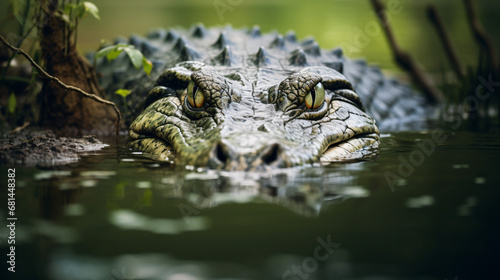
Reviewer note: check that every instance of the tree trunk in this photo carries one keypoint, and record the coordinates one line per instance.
(68, 112)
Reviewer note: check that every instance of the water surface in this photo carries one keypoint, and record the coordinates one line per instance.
(120, 215)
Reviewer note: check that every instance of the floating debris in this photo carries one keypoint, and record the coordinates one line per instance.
(45, 175)
(98, 174)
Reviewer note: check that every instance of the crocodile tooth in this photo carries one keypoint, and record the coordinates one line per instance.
(261, 57)
(180, 44)
(224, 57)
(171, 36)
(313, 49)
(188, 53)
(290, 36)
(199, 31)
(338, 52)
(255, 32)
(222, 41)
(278, 42)
(298, 58)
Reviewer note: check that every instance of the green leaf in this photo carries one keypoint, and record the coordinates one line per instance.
(147, 65)
(11, 103)
(79, 11)
(92, 9)
(65, 17)
(112, 52)
(135, 56)
(74, 10)
(104, 51)
(123, 92)
(68, 8)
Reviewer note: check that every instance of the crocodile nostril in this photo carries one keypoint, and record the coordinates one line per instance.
(271, 154)
(221, 152)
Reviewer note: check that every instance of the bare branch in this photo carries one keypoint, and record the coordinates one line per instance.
(63, 85)
(404, 59)
(481, 36)
(435, 19)
(19, 128)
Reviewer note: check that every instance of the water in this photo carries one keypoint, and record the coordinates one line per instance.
(120, 215)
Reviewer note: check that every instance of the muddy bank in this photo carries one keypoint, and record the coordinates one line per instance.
(35, 147)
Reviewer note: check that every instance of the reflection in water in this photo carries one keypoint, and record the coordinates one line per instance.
(300, 190)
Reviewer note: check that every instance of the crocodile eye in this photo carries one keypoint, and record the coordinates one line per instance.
(315, 97)
(195, 96)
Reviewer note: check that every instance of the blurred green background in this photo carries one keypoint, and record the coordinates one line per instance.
(331, 22)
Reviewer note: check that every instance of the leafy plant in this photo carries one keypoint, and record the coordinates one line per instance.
(72, 12)
(124, 93)
(80, 10)
(12, 103)
(135, 56)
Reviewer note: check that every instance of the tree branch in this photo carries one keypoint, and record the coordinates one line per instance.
(435, 19)
(63, 85)
(481, 36)
(404, 59)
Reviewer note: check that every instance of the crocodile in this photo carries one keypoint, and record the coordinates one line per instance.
(240, 99)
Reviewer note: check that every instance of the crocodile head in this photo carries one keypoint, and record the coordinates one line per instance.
(254, 112)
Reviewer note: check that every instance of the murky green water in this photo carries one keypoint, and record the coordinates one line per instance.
(120, 215)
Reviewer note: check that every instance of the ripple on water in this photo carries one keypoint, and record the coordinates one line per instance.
(45, 175)
(130, 220)
(419, 202)
(98, 174)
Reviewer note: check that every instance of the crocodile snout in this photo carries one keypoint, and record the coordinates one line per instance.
(266, 156)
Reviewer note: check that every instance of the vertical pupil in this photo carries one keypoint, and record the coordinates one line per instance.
(195, 90)
(313, 95)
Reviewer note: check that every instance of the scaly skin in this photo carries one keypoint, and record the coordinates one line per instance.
(252, 114)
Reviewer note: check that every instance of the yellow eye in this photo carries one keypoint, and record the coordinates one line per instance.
(195, 96)
(315, 97)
